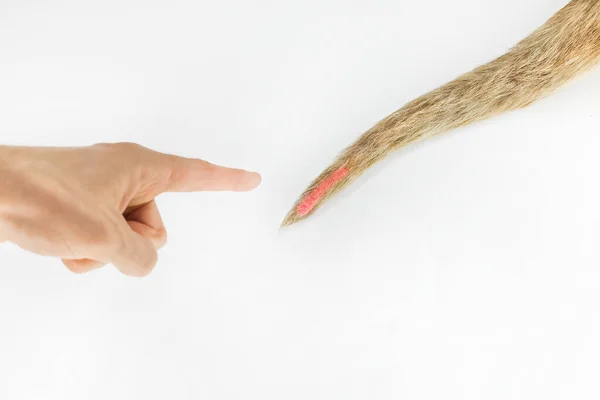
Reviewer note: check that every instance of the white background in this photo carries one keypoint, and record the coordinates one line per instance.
(464, 267)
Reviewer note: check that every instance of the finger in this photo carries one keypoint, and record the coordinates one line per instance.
(132, 253)
(191, 175)
(158, 239)
(146, 221)
(82, 266)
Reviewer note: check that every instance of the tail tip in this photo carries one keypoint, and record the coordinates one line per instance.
(290, 219)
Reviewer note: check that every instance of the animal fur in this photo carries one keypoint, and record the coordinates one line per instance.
(565, 46)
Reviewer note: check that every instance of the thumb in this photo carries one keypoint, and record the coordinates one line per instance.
(134, 255)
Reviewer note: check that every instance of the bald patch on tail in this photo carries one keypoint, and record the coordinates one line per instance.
(312, 199)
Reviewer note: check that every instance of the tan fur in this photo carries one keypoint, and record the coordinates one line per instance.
(566, 45)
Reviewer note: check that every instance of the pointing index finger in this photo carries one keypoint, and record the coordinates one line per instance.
(191, 175)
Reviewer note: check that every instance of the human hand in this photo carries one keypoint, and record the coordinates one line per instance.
(92, 206)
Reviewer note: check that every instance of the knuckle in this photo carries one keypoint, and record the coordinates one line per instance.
(128, 146)
(120, 146)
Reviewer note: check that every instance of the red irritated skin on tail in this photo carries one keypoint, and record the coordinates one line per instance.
(310, 201)
(564, 47)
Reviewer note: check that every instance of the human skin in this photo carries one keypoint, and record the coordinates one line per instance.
(93, 206)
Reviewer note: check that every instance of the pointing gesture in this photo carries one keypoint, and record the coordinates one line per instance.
(93, 206)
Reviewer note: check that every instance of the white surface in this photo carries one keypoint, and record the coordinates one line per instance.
(465, 267)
